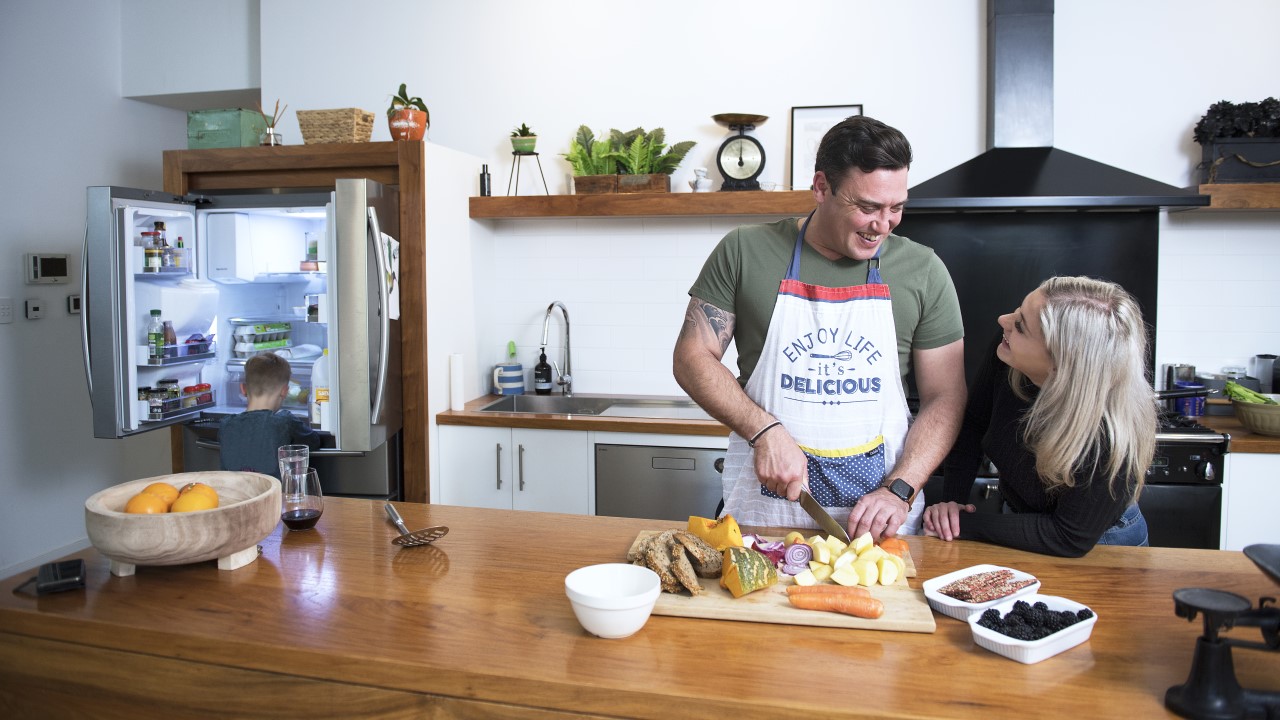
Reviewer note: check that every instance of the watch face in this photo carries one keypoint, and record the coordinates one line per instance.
(740, 157)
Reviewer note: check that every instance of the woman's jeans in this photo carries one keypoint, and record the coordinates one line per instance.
(1130, 529)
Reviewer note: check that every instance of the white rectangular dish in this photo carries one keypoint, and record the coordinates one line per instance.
(959, 609)
(1033, 651)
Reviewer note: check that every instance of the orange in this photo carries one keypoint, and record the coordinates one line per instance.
(144, 503)
(191, 501)
(162, 490)
(199, 487)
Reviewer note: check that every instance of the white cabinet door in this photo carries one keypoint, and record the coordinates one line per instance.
(1251, 494)
(513, 468)
(475, 466)
(551, 470)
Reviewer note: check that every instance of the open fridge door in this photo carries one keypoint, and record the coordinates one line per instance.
(137, 259)
(364, 341)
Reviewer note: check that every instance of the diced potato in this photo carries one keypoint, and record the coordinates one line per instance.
(902, 565)
(844, 559)
(867, 572)
(822, 572)
(836, 544)
(862, 542)
(793, 537)
(806, 578)
(822, 553)
(815, 541)
(845, 576)
(888, 570)
(873, 553)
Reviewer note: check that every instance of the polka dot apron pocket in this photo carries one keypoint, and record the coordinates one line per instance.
(837, 478)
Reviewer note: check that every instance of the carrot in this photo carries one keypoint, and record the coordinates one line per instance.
(852, 590)
(847, 603)
(895, 546)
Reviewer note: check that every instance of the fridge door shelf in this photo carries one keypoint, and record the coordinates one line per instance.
(184, 353)
(185, 404)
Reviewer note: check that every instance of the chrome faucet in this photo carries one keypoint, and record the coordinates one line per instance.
(565, 377)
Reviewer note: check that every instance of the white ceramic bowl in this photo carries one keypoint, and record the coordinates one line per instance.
(248, 511)
(959, 609)
(612, 600)
(1033, 651)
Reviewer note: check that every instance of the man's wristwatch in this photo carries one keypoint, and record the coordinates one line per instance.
(901, 489)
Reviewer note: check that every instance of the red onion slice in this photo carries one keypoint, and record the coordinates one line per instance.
(797, 554)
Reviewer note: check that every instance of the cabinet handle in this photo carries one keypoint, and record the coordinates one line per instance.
(497, 464)
(522, 468)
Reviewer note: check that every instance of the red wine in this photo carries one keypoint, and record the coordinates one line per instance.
(300, 519)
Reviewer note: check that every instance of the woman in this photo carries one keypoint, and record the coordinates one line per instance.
(1064, 411)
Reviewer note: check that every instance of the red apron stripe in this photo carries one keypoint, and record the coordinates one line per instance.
(806, 291)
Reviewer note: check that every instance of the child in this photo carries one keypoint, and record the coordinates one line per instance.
(250, 440)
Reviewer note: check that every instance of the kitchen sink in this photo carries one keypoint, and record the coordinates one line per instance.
(669, 408)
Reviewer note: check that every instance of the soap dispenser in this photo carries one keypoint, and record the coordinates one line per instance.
(542, 375)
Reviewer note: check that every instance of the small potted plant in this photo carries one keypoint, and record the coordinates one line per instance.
(408, 117)
(523, 139)
(645, 162)
(1240, 142)
(595, 169)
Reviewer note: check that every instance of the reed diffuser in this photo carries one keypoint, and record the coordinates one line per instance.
(270, 136)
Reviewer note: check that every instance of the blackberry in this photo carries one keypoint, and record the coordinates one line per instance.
(1084, 614)
(1040, 605)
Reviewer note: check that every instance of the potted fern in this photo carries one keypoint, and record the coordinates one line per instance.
(595, 169)
(408, 117)
(644, 160)
(628, 162)
(523, 140)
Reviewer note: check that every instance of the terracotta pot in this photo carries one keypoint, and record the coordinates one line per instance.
(408, 124)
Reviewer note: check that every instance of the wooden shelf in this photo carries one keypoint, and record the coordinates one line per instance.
(796, 202)
(1242, 196)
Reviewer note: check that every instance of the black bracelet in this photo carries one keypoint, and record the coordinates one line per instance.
(763, 430)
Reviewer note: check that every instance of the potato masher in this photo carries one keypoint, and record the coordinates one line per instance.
(425, 536)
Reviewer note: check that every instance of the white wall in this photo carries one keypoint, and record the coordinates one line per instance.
(1132, 77)
(65, 127)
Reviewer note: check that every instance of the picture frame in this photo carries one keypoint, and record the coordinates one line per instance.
(808, 125)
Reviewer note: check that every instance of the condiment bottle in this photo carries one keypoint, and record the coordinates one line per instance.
(170, 339)
(155, 338)
(542, 375)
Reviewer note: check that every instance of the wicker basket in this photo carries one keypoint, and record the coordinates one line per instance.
(344, 125)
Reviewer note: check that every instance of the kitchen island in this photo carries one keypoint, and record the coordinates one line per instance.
(339, 622)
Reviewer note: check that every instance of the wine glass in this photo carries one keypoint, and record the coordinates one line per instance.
(301, 502)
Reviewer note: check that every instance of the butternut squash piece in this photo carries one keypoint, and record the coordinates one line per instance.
(719, 534)
(746, 571)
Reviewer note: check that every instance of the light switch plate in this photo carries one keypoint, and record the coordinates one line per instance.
(73, 304)
(6, 310)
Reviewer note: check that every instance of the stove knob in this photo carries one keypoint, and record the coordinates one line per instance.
(1205, 472)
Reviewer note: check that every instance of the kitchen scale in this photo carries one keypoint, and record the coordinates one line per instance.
(1211, 689)
(740, 158)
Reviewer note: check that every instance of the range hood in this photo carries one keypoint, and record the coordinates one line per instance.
(1021, 170)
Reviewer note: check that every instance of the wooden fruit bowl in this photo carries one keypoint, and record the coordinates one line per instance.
(248, 511)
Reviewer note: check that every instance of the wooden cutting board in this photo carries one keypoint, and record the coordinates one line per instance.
(905, 609)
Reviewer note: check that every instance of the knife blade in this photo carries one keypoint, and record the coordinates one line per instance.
(822, 517)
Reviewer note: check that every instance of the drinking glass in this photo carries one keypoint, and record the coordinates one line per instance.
(301, 503)
(294, 459)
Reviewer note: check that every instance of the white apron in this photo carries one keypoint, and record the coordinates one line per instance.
(829, 371)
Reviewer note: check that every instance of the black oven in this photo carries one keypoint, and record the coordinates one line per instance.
(1182, 496)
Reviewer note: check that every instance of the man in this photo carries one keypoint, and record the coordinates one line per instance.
(828, 314)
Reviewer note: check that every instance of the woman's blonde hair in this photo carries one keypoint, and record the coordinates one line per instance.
(1097, 402)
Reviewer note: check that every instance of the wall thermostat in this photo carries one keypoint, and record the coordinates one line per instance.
(47, 268)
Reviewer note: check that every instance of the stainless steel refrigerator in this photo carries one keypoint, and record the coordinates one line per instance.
(310, 276)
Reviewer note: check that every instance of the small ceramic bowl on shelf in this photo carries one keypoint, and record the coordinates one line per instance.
(960, 609)
(1033, 651)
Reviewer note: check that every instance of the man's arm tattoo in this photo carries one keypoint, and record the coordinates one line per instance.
(719, 321)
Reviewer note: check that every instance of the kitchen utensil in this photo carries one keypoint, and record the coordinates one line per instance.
(425, 536)
(1190, 405)
(1264, 369)
(612, 600)
(301, 502)
(822, 517)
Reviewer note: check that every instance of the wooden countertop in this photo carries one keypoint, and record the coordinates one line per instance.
(1242, 441)
(338, 622)
(470, 415)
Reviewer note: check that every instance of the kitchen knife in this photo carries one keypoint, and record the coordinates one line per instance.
(821, 516)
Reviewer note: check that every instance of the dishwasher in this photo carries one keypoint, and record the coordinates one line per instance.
(662, 483)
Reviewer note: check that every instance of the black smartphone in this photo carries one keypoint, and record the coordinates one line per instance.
(60, 576)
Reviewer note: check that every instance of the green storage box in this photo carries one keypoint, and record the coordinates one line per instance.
(235, 127)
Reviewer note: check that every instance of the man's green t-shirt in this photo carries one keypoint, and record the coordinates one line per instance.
(743, 272)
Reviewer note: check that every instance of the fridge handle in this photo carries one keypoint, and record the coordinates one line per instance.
(84, 311)
(384, 300)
